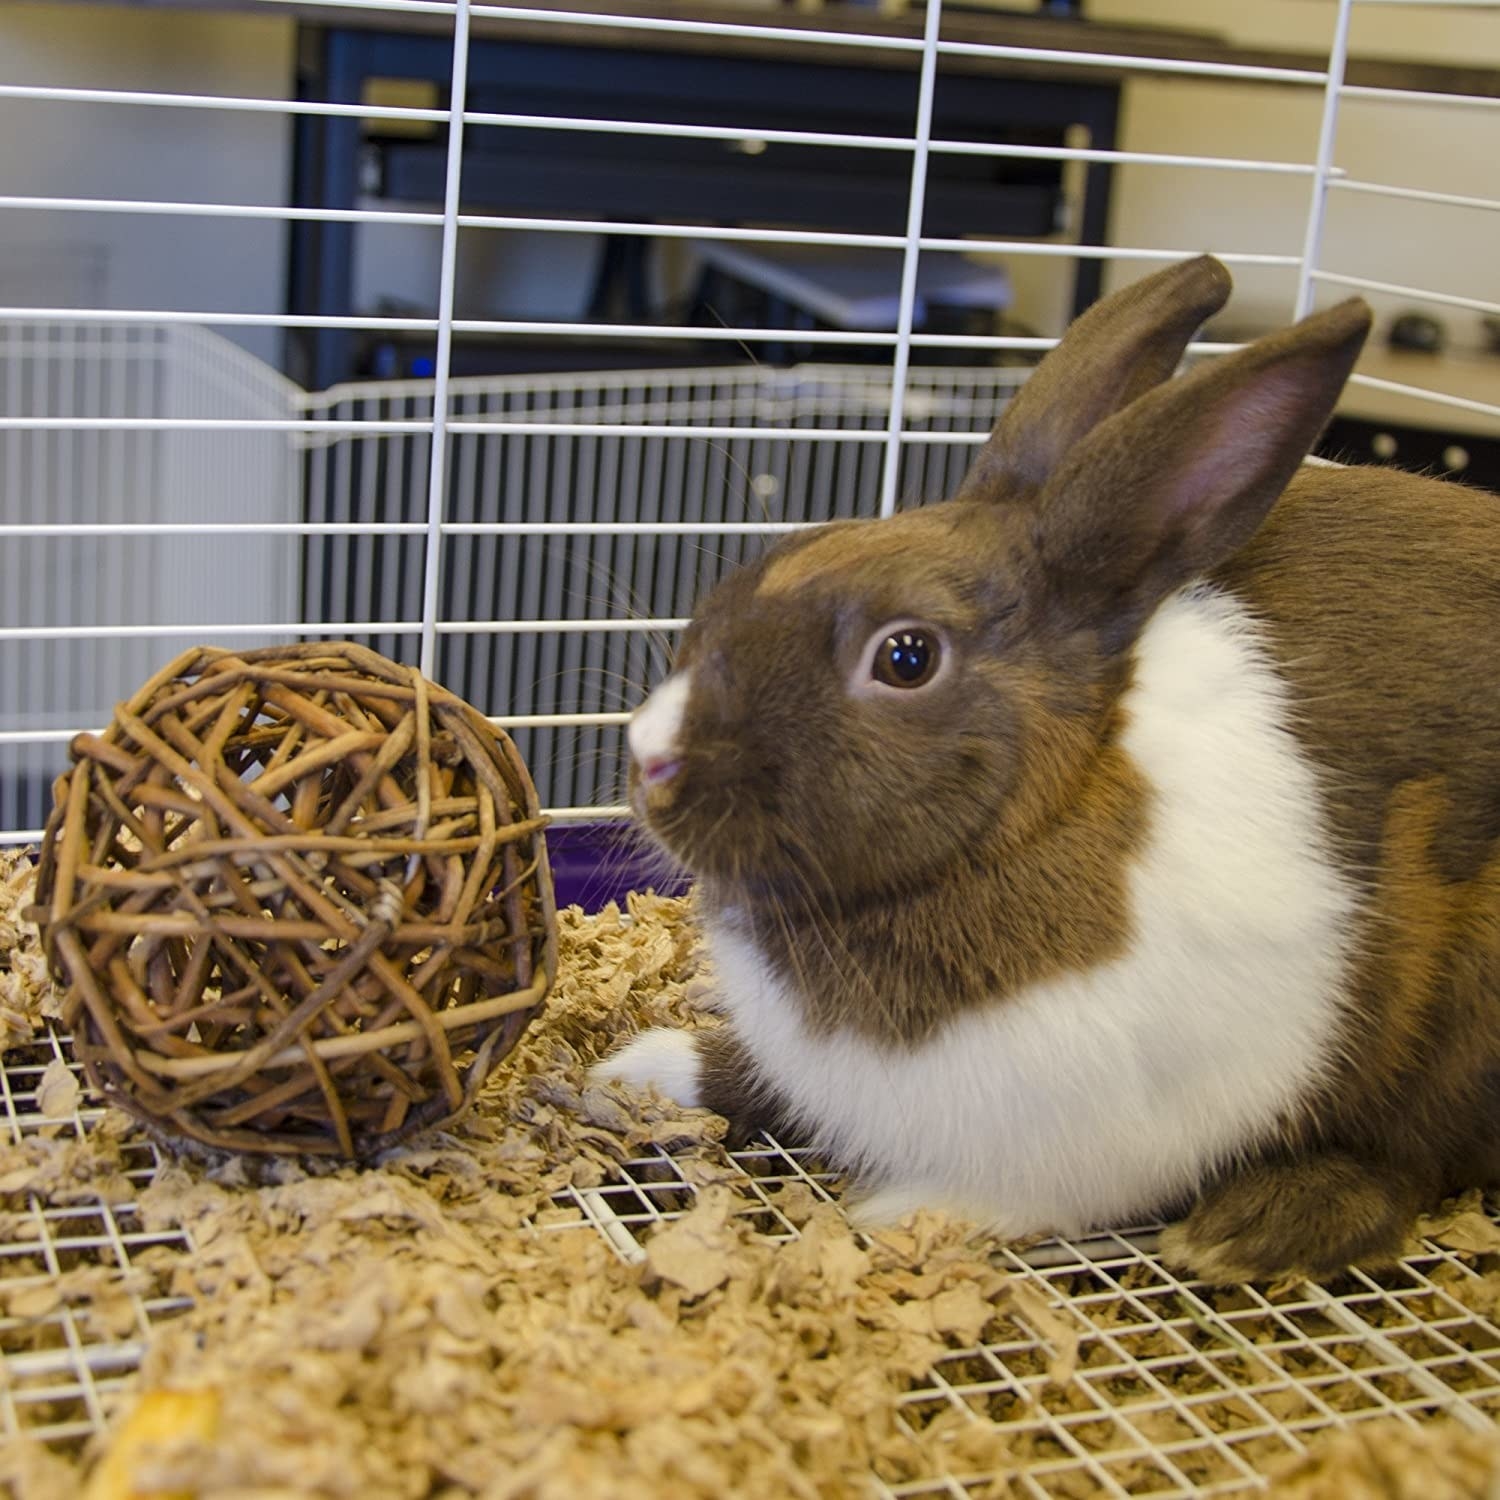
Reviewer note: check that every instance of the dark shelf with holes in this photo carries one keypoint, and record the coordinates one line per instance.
(1464, 456)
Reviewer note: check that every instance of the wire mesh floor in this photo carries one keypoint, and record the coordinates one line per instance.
(1179, 1389)
(70, 1340)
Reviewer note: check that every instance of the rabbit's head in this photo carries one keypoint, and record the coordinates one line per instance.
(871, 700)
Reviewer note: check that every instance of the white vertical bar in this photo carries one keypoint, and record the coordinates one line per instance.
(352, 598)
(891, 474)
(460, 581)
(487, 504)
(15, 809)
(436, 475)
(1312, 245)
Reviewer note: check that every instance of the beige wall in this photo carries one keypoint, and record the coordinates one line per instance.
(1450, 149)
(1431, 32)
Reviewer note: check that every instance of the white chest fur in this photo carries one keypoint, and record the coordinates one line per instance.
(1096, 1096)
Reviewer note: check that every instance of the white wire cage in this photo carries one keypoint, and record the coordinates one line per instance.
(91, 599)
(523, 539)
(585, 516)
(527, 538)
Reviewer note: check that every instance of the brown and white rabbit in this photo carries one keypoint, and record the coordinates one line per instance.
(1121, 836)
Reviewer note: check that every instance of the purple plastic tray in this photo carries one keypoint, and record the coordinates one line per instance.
(596, 863)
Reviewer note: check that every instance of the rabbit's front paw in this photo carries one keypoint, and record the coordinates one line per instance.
(663, 1059)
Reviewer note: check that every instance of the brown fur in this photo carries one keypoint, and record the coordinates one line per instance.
(902, 857)
(1380, 594)
(1131, 341)
(732, 1087)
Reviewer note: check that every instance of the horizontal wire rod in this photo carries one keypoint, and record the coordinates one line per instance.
(191, 210)
(246, 103)
(411, 7)
(1400, 289)
(690, 132)
(291, 213)
(1417, 195)
(215, 319)
(406, 528)
(1131, 158)
(285, 212)
(335, 628)
(632, 330)
(563, 627)
(500, 721)
(573, 327)
(237, 102)
(614, 812)
(380, 427)
(1437, 4)
(429, 325)
(475, 429)
(365, 429)
(190, 628)
(1370, 93)
(212, 528)
(1127, 62)
(1423, 393)
(352, 426)
(630, 528)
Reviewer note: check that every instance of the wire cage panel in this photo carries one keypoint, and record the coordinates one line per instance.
(425, 580)
(629, 520)
(67, 1359)
(626, 523)
(1179, 1390)
(93, 611)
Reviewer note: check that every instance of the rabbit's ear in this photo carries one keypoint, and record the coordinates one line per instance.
(1117, 350)
(1165, 491)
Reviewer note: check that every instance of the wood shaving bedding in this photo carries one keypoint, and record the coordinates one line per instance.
(433, 1327)
(25, 988)
(1390, 1461)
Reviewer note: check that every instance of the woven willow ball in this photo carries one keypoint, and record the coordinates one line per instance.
(299, 899)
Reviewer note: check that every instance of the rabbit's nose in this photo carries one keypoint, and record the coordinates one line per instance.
(655, 730)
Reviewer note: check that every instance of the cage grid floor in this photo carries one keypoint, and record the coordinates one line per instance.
(63, 1366)
(1179, 1389)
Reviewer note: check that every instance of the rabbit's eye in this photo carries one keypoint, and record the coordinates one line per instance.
(901, 656)
(905, 659)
